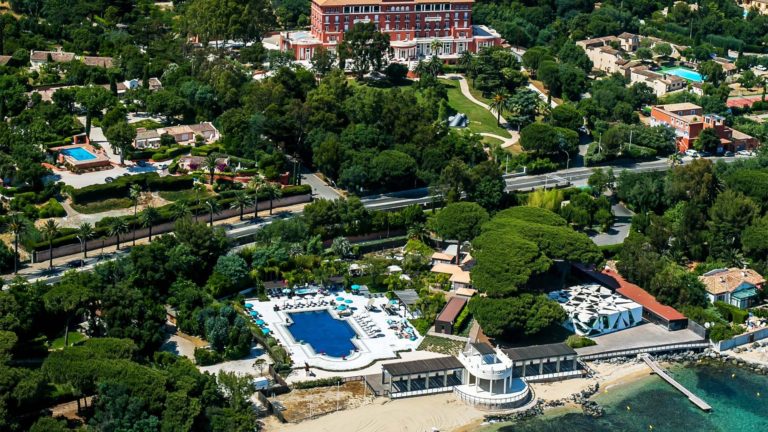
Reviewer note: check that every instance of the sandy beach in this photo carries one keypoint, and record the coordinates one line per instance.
(444, 412)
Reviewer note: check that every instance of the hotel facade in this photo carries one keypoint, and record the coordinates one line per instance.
(416, 28)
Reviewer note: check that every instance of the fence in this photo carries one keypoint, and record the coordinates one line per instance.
(698, 329)
(495, 403)
(650, 349)
(746, 338)
(423, 392)
(556, 376)
(270, 407)
(96, 244)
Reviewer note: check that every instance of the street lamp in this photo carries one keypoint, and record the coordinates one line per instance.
(567, 155)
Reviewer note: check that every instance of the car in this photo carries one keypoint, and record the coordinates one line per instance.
(691, 153)
(705, 154)
(76, 263)
(744, 153)
(109, 180)
(728, 154)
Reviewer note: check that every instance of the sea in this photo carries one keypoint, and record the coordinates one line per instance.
(739, 400)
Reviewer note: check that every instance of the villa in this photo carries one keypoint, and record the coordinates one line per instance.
(594, 310)
(81, 156)
(192, 163)
(688, 120)
(761, 6)
(39, 58)
(737, 287)
(182, 134)
(660, 83)
(413, 27)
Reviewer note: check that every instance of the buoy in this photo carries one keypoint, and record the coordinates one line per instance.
(628, 408)
(733, 375)
(650, 427)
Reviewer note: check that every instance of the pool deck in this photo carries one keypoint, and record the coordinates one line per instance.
(370, 349)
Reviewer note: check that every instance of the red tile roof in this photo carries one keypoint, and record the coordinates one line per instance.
(452, 310)
(642, 297)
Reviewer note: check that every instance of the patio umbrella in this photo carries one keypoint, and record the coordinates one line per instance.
(254, 314)
(355, 287)
(259, 322)
(393, 301)
(341, 307)
(266, 331)
(249, 305)
(348, 301)
(339, 298)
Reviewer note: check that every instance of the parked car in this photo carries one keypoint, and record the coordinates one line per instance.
(109, 179)
(76, 263)
(728, 154)
(744, 153)
(692, 153)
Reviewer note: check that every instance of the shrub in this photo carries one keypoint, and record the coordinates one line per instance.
(322, 382)
(206, 357)
(461, 320)
(422, 325)
(731, 313)
(52, 209)
(576, 341)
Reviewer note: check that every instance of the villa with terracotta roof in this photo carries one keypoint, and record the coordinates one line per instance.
(737, 287)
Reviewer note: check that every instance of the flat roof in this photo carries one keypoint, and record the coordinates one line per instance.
(452, 310)
(416, 367)
(682, 106)
(483, 348)
(409, 296)
(534, 352)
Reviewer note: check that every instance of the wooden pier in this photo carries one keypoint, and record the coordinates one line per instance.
(663, 374)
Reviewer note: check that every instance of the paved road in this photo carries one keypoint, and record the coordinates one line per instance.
(320, 189)
(620, 229)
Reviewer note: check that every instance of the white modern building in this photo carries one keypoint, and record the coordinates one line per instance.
(488, 381)
(594, 310)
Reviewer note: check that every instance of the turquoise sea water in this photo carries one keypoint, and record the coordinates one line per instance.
(689, 74)
(653, 405)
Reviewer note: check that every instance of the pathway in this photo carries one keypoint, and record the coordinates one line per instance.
(663, 374)
(505, 142)
(464, 86)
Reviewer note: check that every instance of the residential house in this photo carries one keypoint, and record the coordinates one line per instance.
(661, 84)
(134, 84)
(104, 62)
(146, 139)
(205, 130)
(182, 134)
(688, 120)
(39, 58)
(737, 287)
(603, 55)
(761, 6)
(459, 278)
(729, 68)
(192, 163)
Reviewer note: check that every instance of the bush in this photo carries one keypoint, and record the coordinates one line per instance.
(206, 357)
(52, 209)
(461, 320)
(422, 325)
(576, 341)
(322, 382)
(731, 313)
(169, 154)
(7, 258)
(122, 185)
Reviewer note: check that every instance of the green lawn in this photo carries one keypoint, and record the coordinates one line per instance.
(74, 338)
(184, 195)
(490, 141)
(146, 124)
(477, 93)
(480, 119)
(441, 345)
(102, 206)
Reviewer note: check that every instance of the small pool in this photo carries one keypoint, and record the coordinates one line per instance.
(79, 154)
(689, 74)
(323, 332)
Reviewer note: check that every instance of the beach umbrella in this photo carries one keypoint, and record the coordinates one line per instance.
(339, 298)
(348, 301)
(355, 287)
(266, 331)
(259, 322)
(249, 305)
(341, 307)
(254, 314)
(393, 301)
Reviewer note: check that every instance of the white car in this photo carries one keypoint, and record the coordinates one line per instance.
(692, 153)
(744, 153)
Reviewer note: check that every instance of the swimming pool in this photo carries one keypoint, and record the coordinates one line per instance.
(324, 333)
(79, 154)
(689, 74)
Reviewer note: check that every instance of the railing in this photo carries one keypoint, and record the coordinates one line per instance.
(494, 403)
(635, 351)
(429, 391)
(556, 375)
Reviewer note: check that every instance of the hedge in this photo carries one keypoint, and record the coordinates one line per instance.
(322, 382)
(52, 209)
(461, 320)
(731, 313)
(122, 185)
(169, 154)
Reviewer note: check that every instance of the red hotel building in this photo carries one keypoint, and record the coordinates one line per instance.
(413, 27)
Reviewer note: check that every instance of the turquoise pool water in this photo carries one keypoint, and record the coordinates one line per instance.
(689, 74)
(323, 332)
(739, 401)
(79, 154)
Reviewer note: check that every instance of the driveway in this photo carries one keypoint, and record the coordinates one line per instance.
(320, 189)
(620, 229)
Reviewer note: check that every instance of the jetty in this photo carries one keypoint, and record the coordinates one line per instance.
(663, 374)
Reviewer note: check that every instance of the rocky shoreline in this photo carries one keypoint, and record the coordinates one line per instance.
(593, 409)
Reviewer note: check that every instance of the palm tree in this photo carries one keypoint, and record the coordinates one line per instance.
(180, 210)
(499, 104)
(85, 232)
(272, 192)
(134, 194)
(241, 201)
(17, 225)
(149, 216)
(118, 226)
(418, 231)
(434, 46)
(50, 230)
(210, 164)
(213, 208)
(255, 184)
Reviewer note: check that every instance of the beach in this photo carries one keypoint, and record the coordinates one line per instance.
(445, 412)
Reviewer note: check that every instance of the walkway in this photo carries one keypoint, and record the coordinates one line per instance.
(465, 91)
(660, 372)
(505, 142)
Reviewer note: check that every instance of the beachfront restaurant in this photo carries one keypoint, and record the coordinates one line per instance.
(544, 362)
(488, 381)
(421, 377)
